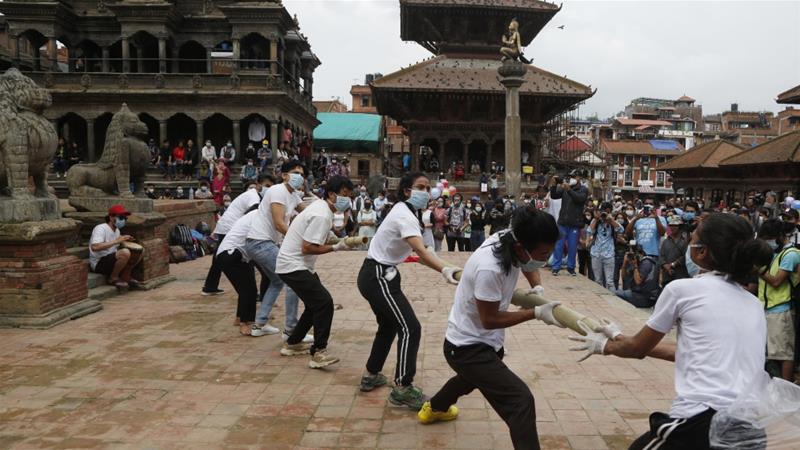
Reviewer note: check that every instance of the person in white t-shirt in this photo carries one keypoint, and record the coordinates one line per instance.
(475, 335)
(105, 256)
(399, 234)
(307, 238)
(233, 261)
(278, 205)
(238, 207)
(721, 333)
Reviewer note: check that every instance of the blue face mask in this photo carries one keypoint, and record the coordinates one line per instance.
(773, 244)
(342, 203)
(296, 181)
(419, 199)
(688, 216)
(120, 222)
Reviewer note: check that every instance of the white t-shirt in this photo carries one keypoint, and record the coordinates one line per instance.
(483, 278)
(236, 210)
(262, 228)
(389, 246)
(237, 235)
(721, 340)
(312, 225)
(101, 234)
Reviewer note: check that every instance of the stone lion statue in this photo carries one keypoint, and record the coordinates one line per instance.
(27, 140)
(125, 158)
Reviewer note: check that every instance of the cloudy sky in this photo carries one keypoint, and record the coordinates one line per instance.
(718, 52)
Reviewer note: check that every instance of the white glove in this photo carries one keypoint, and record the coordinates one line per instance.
(449, 274)
(536, 290)
(594, 343)
(545, 314)
(608, 328)
(341, 245)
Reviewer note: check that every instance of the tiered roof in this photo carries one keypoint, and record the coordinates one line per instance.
(790, 96)
(706, 156)
(783, 149)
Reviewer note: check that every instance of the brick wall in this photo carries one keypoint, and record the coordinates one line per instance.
(188, 212)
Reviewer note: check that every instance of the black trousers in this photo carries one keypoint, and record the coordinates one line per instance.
(671, 433)
(243, 279)
(380, 285)
(478, 366)
(462, 243)
(214, 272)
(318, 311)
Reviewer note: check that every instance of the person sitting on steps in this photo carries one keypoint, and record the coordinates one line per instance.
(105, 256)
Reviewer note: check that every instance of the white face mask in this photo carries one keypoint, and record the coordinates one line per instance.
(573, 181)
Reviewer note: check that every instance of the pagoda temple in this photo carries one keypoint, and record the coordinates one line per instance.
(452, 104)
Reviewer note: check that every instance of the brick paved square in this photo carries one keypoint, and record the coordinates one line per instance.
(166, 369)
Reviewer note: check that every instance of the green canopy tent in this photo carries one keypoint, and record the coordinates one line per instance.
(350, 132)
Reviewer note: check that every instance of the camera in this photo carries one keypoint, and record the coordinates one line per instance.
(603, 216)
(648, 210)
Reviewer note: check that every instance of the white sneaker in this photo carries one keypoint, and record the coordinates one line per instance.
(256, 331)
(269, 329)
(309, 339)
(321, 359)
(295, 349)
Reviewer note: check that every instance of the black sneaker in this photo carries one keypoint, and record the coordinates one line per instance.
(370, 382)
(555, 273)
(572, 272)
(212, 292)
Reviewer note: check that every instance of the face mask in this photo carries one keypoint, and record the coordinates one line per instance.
(120, 222)
(342, 203)
(532, 264)
(478, 209)
(367, 206)
(419, 199)
(526, 201)
(573, 181)
(772, 244)
(629, 212)
(440, 204)
(688, 216)
(203, 188)
(363, 193)
(227, 204)
(179, 191)
(295, 181)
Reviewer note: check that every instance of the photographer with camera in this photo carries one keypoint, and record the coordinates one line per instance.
(643, 271)
(573, 195)
(672, 255)
(647, 228)
(602, 232)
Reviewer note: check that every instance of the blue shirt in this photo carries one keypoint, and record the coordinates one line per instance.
(646, 234)
(603, 245)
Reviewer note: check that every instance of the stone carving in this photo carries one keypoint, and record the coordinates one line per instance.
(197, 82)
(86, 81)
(125, 159)
(512, 44)
(123, 81)
(236, 82)
(49, 80)
(27, 139)
(160, 81)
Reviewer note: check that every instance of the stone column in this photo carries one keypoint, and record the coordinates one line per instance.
(442, 143)
(414, 149)
(139, 60)
(465, 157)
(237, 141)
(237, 55)
(512, 75)
(106, 57)
(52, 54)
(489, 145)
(162, 131)
(273, 137)
(162, 54)
(273, 56)
(175, 63)
(126, 56)
(209, 67)
(199, 142)
(90, 140)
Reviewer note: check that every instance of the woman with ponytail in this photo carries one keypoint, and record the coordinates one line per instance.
(721, 333)
(400, 233)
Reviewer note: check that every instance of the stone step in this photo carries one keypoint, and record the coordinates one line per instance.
(95, 280)
(80, 252)
(103, 292)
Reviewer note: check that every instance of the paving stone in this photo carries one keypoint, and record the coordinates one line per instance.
(166, 369)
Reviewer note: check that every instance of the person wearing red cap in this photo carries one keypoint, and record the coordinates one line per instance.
(106, 257)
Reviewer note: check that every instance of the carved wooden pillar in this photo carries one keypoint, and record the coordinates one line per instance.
(162, 131)
(489, 145)
(237, 141)
(209, 51)
(466, 156)
(199, 143)
(273, 56)
(273, 136)
(90, 140)
(442, 143)
(139, 59)
(237, 54)
(105, 62)
(162, 54)
(52, 54)
(126, 56)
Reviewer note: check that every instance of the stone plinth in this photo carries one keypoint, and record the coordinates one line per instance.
(101, 204)
(153, 271)
(512, 75)
(28, 210)
(41, 284)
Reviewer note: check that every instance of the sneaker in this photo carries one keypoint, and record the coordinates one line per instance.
(427, 415)
(321, 359)
(212, 292)
(572, 273)
(410, 396)
(555, 273)
(256, 331)
(269, 329)
(309, 339)
(295, 349)
(370, 382)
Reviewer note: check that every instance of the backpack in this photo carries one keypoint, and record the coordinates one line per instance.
(181, 235)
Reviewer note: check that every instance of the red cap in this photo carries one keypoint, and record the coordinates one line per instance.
(118, 210)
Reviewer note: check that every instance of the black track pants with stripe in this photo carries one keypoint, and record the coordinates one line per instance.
(380, 285)
(672, 433)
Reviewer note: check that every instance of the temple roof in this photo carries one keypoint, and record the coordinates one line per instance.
(782, 149)
(512, 4)
(790, 96)
(707, 156)
(453, 74)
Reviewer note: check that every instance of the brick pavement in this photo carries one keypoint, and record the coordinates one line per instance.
(166, 369)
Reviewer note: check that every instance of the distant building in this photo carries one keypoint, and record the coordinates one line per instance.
(326, 106)
(748, 128)
(396, 141)
(635, 165)
(584, 129)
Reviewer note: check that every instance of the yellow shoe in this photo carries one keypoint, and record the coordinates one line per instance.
(427, 415)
